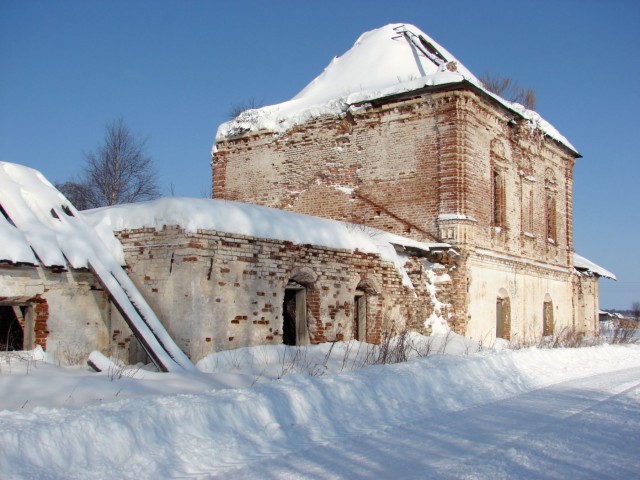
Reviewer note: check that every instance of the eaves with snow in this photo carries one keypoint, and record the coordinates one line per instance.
(391, 60)
(587, 267)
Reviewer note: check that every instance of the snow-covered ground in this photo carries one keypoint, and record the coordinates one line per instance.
(317, 412)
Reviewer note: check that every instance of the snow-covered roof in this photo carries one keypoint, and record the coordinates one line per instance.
(390, 60)
(35, 224)
(584, 265)
(38, 225)
(238, 218)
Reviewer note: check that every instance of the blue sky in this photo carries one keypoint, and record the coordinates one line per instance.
(174, 69)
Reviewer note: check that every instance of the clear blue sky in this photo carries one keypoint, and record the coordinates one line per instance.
(173, 69)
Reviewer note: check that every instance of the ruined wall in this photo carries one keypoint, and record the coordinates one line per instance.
(493, 277)
(532, 168)
(391, 166)
(215, 291)
(65, 312)
(585, 301)
(513, 252)
(435, 166)
(420, 167)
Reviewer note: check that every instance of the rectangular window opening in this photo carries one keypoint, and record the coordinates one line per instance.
(498, 200)
(551, 217)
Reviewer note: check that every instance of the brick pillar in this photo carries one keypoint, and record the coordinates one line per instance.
(40, 324)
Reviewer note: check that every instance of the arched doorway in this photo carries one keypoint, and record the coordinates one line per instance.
(366, 289)
(294, 308)
(294, 315)
(360, 316)
(503, 315)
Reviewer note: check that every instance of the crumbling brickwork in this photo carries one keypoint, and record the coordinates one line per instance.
(410, 166)
(40, 328)
(216, 291)
(66, 312)
(448, 164)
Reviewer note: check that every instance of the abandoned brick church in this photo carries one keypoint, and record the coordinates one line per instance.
(439, 160)
(430, 203)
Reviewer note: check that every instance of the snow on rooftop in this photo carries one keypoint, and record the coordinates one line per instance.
(581, 263)
(39, 225)
(390, 60)
(35, 218)
(195, 214)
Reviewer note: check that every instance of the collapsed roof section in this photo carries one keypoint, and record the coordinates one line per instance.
(39, 226)
(33, 229)
(388, 61)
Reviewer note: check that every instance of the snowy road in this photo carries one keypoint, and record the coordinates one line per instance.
(587, 428)
(530, 413)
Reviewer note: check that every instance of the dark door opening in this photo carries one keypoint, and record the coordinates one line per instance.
(294, 315)
(289, 317)
(11, 333)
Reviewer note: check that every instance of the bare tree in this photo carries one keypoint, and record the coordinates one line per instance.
(509, 89)
(118, 171)
(635, 311)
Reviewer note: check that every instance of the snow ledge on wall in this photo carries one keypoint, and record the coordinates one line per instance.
(239, 218)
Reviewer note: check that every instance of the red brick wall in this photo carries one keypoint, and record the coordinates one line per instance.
(41, 331)
(398, 159)
(216, 291)
(405, 162)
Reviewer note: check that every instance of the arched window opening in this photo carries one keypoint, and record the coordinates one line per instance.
(550, 186)
(547, 317)
(527, 208)
(551, 217)
(503, 317)
(498, 199)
